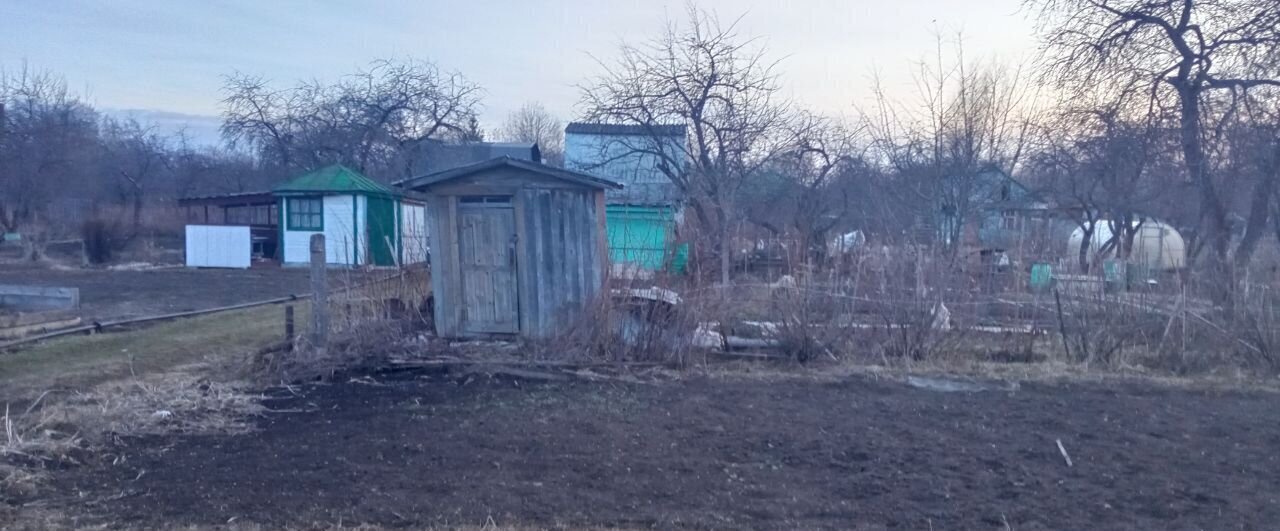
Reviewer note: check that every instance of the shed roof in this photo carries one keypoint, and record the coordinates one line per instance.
(585, 179)
(587, 128)
(333, 179)
(230, 199)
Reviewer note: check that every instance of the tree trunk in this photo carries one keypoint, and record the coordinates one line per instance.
(1086, 240)
(725, 245)
(1259, 211)
(1213, 216)
(137, 211)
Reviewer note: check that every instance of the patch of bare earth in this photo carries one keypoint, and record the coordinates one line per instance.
(430, 448)
(64, 432)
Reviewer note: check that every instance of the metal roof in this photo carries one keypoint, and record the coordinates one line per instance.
(233, 197)
(430, 156)
(334, 179)
(587, 128)
(417, 183)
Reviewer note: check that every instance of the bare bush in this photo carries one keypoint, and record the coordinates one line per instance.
(370, 313)
(102, 239)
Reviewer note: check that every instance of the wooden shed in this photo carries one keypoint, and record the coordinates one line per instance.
(519, 247)
(364, 223)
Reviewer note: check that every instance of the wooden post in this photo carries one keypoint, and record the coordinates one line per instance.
(288, 326)
(319, 295)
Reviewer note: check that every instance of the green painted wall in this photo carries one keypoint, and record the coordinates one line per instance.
(381, 217)
(643, 237)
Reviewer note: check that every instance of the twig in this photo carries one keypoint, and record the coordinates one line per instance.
(36, 402)
(1062, 324)
(1063, 451)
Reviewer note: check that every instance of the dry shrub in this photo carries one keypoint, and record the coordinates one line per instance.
(627, 324)
(810, 321)
(1104, 331)
(1201, 338)
(103, 238)
(370, 313)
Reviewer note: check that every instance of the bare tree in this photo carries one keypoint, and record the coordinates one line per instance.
(1184, 54)
(532, 123)
(1103, 165)
(372, 119)
(967, 117)
(48, 137)
(1249, 152)
(810, 188)
(135, 158)
(722, 88)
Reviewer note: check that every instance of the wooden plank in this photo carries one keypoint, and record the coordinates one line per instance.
(522, 256)
(573, 246)
(545, 270)
(529, 268)
(602, 238)
(455, 280)
(551, 269)
(597, 245)
(319, 295)
(437, 214)
(582, 244)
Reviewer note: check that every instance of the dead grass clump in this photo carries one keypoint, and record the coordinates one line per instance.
(58, 431)
(641, 324)
(175, 403)
(369, 314)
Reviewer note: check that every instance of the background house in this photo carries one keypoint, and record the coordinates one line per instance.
(643, 215)
(990, 214)
(364, 222)
(431, 156)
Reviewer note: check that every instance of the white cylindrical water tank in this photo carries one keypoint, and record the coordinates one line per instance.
(1156, 245)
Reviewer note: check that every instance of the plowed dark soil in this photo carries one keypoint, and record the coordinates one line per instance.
(418, 450)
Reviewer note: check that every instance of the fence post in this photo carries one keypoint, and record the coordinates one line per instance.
(319, 295)
(288, 327)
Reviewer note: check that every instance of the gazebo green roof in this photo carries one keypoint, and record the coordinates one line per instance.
(335, 179)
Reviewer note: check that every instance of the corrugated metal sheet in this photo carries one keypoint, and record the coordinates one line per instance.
(334, 179)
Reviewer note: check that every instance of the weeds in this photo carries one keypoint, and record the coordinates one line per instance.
(67, 430)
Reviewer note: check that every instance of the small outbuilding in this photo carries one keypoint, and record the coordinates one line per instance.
(520, 247)
(363, 222)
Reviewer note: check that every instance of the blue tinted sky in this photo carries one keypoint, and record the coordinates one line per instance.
(171, 55)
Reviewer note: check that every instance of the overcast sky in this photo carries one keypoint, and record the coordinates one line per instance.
(167, 59)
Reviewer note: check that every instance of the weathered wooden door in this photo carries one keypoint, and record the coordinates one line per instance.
(487, 263)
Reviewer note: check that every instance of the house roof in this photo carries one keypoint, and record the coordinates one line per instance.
(430, 156)
(586, 128)
(420, 182)
(333, 179)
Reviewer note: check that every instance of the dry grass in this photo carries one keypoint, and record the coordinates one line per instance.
(44, 520)
(68, 429)
(79, 362)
